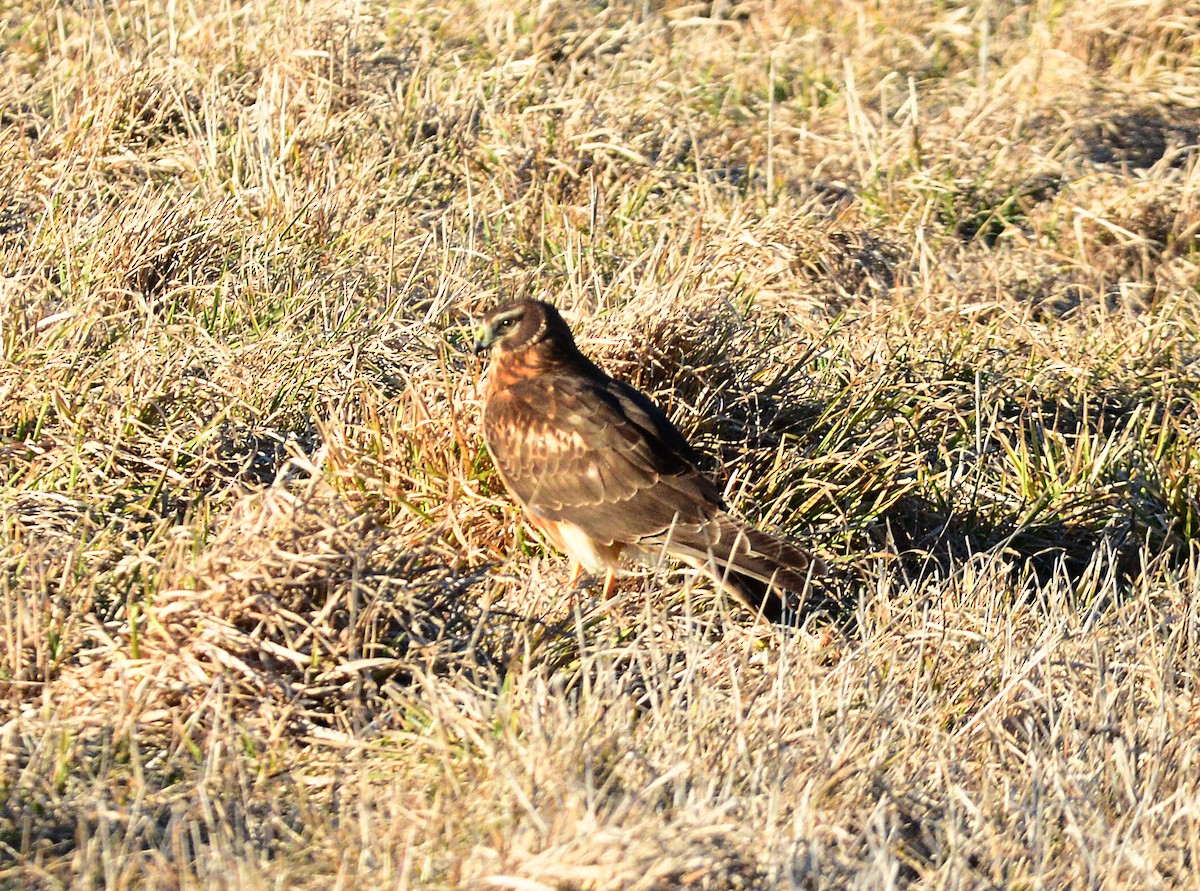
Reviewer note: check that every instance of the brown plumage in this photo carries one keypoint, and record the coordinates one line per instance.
(603, 473)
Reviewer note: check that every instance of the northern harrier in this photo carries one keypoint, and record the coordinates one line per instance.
(601, 471)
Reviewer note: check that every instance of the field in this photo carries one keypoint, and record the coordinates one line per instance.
(920, 280)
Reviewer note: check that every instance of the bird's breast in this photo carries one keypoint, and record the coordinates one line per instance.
(510, 369)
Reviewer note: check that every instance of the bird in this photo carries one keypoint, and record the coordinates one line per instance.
(602, 472)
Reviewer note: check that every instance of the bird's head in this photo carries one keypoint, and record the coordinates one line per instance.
(520, 325)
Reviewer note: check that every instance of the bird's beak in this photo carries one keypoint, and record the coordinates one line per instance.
(484, 338)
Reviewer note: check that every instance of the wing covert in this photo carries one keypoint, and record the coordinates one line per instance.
(597, 454)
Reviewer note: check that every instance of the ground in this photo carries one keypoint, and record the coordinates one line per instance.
(918, 279)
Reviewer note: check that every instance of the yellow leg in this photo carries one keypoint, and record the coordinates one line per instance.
(576, 572)
(610, 582)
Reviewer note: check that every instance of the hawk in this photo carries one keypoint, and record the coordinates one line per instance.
(599, 469)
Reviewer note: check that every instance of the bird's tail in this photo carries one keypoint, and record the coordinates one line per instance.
(756, 567)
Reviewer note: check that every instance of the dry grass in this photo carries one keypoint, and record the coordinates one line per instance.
(920, 278)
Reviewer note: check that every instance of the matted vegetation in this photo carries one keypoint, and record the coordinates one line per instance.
(920, 279)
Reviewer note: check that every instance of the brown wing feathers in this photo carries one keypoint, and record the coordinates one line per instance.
(589, 463)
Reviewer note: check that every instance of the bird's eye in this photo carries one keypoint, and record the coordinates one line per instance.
(505, 324)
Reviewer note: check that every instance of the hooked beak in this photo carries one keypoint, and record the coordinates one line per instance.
(484, 338)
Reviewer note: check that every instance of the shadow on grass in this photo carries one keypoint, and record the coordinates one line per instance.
(927, 537)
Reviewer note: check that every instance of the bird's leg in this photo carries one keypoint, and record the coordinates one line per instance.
(573, 582)
(610, 582)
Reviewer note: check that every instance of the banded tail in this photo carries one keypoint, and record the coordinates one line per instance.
(754, 566)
